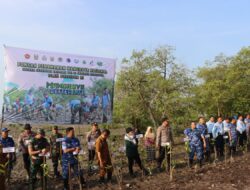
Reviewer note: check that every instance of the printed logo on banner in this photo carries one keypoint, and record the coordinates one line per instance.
(60, 59)
(44, 58)
(83, 62)
(76, 60)
(68, 60)
(91, 62)
(27, 56)
(52, 59)
(36, 57)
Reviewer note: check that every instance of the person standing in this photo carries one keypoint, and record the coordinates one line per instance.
(210, 125)
(38, 147)
(8, 142)
(91, 139)
(164, 136)
(233, 138)
(197, 143)
(23, 142)
(150, 144)
(218, 132)
(55, 149)
(132, 151)
(247, 123)
(106, 103)
(71, 148)
(204, 131)
(241, 131)
(103, 156)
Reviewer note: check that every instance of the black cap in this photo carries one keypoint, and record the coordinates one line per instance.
(129, 129)
(41, 132)
(27, 126)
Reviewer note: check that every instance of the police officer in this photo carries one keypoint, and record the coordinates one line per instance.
(196, 142)
(55, 149)
(71, 148)
(23, 141)
(7, 142)
(202, 127)
(38, 148)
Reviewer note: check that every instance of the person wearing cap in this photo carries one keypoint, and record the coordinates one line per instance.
(8, 142)
(23, 141)
(71, 148)
(91, 139)
(132, 151)
(55, 149)
(38, 147)
(103, 156)
(164, 136)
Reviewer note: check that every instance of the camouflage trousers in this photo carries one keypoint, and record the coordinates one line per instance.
(36, 168)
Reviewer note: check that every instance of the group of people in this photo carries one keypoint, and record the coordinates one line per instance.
(88, 109)
(202, 137)
(217, 137)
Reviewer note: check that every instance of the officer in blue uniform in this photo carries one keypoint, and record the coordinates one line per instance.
(71, 148)
(202, 127)
(7, 142)
(196, 142)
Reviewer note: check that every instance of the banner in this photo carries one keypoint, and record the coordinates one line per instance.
(47, 87)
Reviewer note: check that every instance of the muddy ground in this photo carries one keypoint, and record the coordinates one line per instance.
(227, 174)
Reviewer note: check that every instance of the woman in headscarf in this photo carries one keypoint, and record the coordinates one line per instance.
(150, 144)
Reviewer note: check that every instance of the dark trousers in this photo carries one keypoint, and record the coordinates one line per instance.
(132, 160)
(164, 151)
(55, 161)
(91, 155)
(219, 143)
(242, 138)
(26, 162)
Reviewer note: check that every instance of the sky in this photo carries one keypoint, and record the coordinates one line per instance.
(199, 30)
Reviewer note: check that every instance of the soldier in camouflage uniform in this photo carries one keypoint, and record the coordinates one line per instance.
(196, 142)
(71, 148)
(37, 146)
(55, 149)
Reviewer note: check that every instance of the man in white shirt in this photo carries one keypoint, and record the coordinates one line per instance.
(210, 125)
(241, 131)
(218, 132)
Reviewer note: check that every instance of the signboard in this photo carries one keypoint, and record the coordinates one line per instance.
(42, 87)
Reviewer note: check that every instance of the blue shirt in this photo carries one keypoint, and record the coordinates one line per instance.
(48, 102)
(105, 100)
(7, 142)
(210, 126)
(202, 128)
(218, 129)
(73, 103)
(29, 99)
(241, 127)
(66, 144)
(95, 101)
(194, 136)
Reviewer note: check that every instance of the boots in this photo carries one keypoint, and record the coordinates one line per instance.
(65, 184)
(191, 162)
(82, 180)
(101, 180)
(200, 163)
